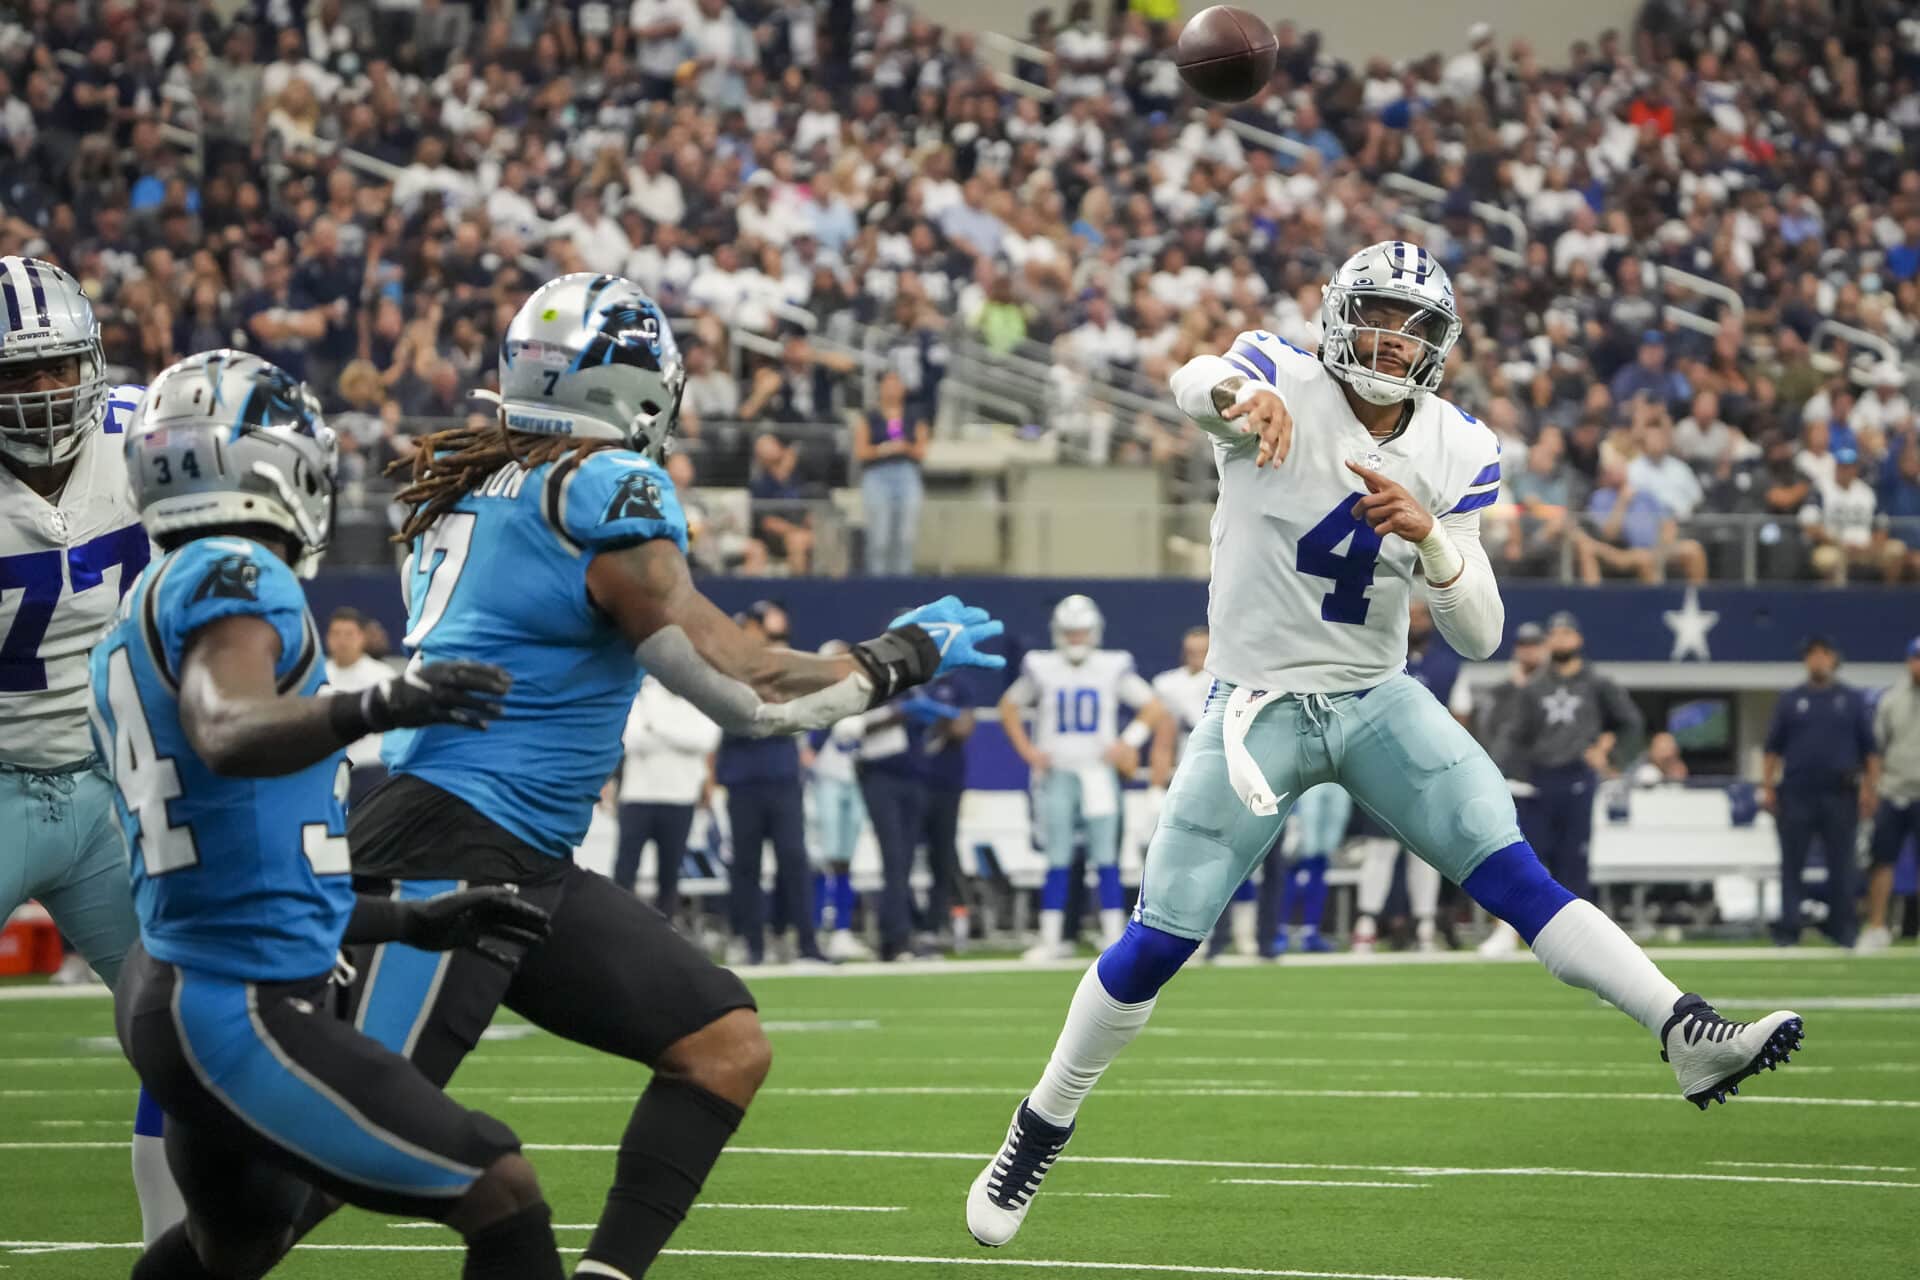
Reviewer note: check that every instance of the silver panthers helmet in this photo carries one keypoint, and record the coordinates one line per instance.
(48, 323)
(1077, 614)
(1393, 288)
(224, 438)
(591, 356)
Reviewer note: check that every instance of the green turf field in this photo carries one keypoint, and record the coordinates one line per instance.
(1377, 1120)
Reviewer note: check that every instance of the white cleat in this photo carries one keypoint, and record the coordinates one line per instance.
(1047, 952)
(842, 945)
(74, 971)
(1711, 1056)
(1872, 940)
(1503, 941)
(1366, 934)
(998, 1201)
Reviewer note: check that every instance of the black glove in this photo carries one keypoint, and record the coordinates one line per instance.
(475, 919)
(464, 693)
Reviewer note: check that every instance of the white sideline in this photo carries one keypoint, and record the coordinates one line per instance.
(778, 1255)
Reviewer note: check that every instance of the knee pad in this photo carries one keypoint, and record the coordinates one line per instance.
(1513, 885)
(1135, 968)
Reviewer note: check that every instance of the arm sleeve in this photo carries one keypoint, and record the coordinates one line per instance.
(1468, 612)
(1253, 357)
(215, 578)
(611, 499)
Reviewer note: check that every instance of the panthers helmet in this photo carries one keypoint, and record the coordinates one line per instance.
(591, 356)
(224, 438)
(48, 319)
(1077, 614)
(1365, 296)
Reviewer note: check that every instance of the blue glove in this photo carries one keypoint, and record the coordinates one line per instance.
(956, 631)
(924, 710)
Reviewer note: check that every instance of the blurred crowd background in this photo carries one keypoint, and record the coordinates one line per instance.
(1688, 252)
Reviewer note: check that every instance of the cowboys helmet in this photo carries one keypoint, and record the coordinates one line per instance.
(591, 356)
(1394, 289)
(1077, 614)
(224, 438)
(48, 322)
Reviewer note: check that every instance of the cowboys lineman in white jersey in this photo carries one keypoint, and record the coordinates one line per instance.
(1073, 694)
(71, 544)
(1313, 563)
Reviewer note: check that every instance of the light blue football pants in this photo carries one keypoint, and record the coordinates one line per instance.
(1394, 748)
(839, 813)
(60, 843)
(1060, 806)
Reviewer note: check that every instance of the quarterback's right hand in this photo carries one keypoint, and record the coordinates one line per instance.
(464, 693)
(1267, 417)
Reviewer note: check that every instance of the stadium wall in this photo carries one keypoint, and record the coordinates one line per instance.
(1389, 28)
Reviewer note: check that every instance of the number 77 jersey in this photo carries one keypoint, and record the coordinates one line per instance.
(1306, 598)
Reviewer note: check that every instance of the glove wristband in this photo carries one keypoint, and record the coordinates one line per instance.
(897, 660)
(351, 715)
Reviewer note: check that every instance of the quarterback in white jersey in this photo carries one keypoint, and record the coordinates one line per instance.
(1372, 476)
(1073, 694)
(71, 544)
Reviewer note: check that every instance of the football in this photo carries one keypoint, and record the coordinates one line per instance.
(1226, 54)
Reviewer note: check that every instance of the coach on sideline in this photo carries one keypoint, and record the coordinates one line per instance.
(1570, 719)
(1818, 778)
(1896, 732)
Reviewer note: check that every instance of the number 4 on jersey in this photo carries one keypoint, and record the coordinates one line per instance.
(1351, 571)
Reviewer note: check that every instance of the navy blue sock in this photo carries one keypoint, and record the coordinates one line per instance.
(1053, 892)
(845, 901)
(820, 902)
(1112, 896)
(1313, 890)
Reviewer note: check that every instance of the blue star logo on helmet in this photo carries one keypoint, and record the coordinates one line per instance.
(637, 498)
(234, 577)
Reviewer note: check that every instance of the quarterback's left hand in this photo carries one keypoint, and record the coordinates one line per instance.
(1389, 508)
(477, 918)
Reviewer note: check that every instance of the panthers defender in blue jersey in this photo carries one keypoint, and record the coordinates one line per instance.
(208, 700)
(550, 541)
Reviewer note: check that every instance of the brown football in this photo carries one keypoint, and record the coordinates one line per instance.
(1226, 54)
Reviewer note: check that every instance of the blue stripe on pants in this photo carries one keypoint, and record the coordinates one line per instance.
(403, 980)
(236, 1059)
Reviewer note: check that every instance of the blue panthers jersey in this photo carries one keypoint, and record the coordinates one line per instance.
(502, 578)
(246, 878)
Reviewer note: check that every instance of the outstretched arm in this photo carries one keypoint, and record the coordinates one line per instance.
(236, 719)
(753, 689)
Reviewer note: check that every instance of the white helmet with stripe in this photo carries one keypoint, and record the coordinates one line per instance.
(1391, 301)
(53, 372)
(1077, 616)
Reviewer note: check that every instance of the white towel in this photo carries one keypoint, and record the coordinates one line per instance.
(1248, 782)
(1099, 791)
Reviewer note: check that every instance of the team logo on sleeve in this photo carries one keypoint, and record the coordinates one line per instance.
(637, 498)
(231, 578)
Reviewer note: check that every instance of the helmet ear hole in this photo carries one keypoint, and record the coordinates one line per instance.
(651, 408)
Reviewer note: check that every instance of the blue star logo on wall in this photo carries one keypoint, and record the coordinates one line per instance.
(1690, 625)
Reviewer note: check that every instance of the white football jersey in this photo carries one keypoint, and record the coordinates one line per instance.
(1184, 694)
(1075, 706)
(63, 567)
(1305, 597)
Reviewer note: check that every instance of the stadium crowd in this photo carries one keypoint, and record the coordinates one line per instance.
(362, 191)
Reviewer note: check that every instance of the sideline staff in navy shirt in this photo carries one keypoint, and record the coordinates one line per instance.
(1818, 779)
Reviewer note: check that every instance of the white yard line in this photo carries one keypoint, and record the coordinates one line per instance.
(1322, 1182)
(1794, 1164)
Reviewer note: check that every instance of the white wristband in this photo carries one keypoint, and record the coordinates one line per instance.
(1440, 560)
(1136, 734)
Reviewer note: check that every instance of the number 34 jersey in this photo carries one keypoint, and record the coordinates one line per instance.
(247, 878)
(1305, 597)
(502, 578)
(63, 567)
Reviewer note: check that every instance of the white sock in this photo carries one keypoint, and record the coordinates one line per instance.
(1113, 922)
(1423, 887)
(1583, 948)
(1243, 922)
(1052, 924)
(1376, 877)
(160, 1202)
(1098, 1027)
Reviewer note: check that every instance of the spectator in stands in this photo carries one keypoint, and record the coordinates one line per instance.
(350, 668)
(1885, 407)
(1896, 819)
(1661, 764)
(669, 745)
(712, 394)
(1842, 521)
(1703, 439)
(1649, 376)
(782, 523)
(283, 322)
(1633, 532)
(1900, 481)
(1658, 472)
(890, 448)
(765, 804)
(598, 239)
(1820, 750)
(1546, 496)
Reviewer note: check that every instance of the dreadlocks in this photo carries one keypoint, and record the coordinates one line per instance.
(449, 464)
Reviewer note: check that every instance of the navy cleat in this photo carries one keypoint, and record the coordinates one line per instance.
(998, 1201)
(1711, 1056)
